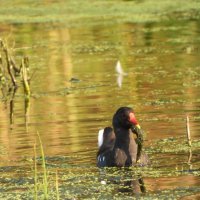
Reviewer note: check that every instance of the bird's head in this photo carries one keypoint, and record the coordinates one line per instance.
(125, 118)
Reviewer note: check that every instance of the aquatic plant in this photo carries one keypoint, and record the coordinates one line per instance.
(35, 174)
(45, 180)
(57, 189)
(25, 78)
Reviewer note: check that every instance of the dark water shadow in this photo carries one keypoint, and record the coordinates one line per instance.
(126, 179)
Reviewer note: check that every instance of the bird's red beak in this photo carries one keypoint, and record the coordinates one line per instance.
(133, 120)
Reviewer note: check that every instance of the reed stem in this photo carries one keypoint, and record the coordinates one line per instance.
(35, 174)
(2, 73)
(188, 131)
(16, 70)
(25, 78)
(9, 68)
(57, 189)
(45, 182)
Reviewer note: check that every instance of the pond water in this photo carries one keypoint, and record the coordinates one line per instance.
(75, 91)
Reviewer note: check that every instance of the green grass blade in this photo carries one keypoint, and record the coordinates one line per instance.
(45, 182)
(35, 174)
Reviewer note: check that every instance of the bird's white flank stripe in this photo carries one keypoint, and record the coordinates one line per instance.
(100, 137)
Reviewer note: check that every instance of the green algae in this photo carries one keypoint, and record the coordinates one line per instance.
(173, 145)
(90, 182)
(73, 183)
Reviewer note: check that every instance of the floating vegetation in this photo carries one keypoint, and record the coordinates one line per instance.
(92, 48)
(85, 181)
(90, 182)
(173, 145)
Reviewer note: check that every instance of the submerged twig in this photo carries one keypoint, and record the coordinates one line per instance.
(188, 131)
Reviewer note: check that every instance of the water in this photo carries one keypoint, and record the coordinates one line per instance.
(162, 85)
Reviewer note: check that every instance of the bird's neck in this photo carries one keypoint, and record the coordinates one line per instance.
(125, 147)
(123, 138)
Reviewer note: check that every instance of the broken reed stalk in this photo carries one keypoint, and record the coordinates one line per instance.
(2, 72)
(16, 70)
(26, 109)
(25, 77)
(3, 82)
(10, 68)
(26, 64)
(190, 158)
(188, 131)
(1, 68)
(7, 60)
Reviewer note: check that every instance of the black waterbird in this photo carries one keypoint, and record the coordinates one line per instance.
(117, 146)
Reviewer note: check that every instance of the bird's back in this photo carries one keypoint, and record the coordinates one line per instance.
(106, 141)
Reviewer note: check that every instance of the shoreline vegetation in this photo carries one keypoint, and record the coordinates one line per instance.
(84, 13)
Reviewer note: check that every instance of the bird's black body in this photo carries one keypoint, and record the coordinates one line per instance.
(120, 148)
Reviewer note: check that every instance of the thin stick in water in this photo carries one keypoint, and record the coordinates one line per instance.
(188, 131)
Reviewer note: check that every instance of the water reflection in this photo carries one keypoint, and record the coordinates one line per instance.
(120, 73)
(125, 180)
(162, 84)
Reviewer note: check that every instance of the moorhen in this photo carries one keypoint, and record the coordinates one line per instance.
(117, 146)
